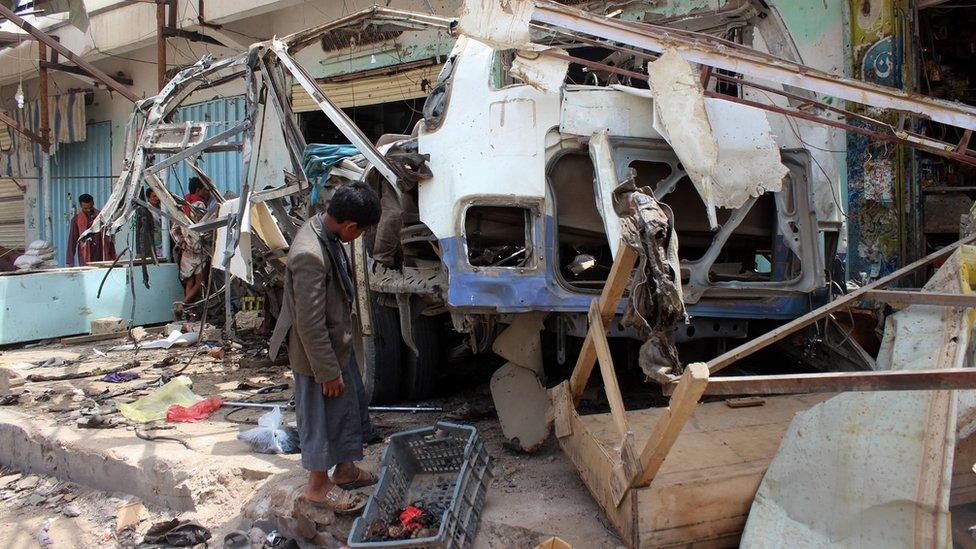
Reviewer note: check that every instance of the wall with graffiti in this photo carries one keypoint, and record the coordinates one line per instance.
(875, 184)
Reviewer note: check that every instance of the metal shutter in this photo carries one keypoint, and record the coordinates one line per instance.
(411, 83)
(12, 234)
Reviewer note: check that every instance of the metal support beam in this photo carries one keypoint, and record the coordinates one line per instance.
(198, 148)
(339, 118)
(707, 50)
(796, 324)
(45, 38)
(832, 382)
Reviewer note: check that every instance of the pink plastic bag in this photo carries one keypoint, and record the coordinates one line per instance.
(196, 412)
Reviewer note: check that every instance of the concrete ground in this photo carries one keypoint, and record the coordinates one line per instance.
(65, 485)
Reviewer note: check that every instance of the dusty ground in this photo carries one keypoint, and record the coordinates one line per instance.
(231, 487)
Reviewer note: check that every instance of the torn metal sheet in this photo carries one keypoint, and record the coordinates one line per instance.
(748, 158)
(874, 469)
(504, 24)
(747, 162)
(240, 262)
(680, 116)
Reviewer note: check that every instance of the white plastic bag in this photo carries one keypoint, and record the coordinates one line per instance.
(270, 437)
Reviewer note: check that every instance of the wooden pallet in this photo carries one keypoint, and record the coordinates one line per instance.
(660, 489)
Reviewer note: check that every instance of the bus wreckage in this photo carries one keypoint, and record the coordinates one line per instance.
(553, 142)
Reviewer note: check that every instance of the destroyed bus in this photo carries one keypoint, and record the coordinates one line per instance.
(507, 203)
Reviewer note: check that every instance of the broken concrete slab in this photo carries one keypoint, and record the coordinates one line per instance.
(107, 325)
(523, 406)
(217, 468)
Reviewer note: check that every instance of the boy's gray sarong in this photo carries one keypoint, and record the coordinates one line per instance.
(331, 429)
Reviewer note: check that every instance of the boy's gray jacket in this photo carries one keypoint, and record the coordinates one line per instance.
(316, 308)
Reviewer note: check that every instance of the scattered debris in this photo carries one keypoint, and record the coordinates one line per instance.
(129, 515)
(78, 375)
(153, 407)
(195, 412)
(176, 533)
(120, 377)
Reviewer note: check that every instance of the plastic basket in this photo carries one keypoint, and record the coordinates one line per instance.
(446, 464)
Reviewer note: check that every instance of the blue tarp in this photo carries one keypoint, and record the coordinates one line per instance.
(317, 162)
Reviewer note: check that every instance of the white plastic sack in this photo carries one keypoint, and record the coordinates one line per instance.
(269, 437)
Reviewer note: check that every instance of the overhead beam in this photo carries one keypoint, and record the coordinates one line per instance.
(834, 382)
(77, 60)
(707, 50)
(71, 69)
(799, 323)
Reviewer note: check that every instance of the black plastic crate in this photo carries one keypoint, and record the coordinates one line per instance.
(445, 464)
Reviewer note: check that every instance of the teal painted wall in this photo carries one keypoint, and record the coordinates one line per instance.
(60, 303)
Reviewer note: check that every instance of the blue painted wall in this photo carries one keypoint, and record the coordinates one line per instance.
(63, 302)
(223, 168)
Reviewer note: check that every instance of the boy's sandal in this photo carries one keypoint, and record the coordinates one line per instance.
(363, 478)
(339, 501)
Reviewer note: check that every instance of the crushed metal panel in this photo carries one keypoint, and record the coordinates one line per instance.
(680, 116)
(873, 469)
(590, 109)
(503, 24)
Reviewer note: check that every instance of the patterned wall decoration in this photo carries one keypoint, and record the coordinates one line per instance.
(873, 167)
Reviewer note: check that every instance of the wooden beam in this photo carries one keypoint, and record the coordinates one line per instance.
(80, 72)
(683, 403)
(779, 333)
(613, 290)
(43, 99)
(42, 36)
(160, 46)
(833, 382)
(599, 332)
(902, 297)
(6, 119)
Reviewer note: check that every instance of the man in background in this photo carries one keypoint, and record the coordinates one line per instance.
(97, 246)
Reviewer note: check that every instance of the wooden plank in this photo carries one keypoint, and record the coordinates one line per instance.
(610, 385)
(562, 407)
(902, 297)
(834, 382)
(594, 463)
(613, 290)
(26, 132)
(43, 99)
(669, 425)
(779, 333)
(701, 495)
